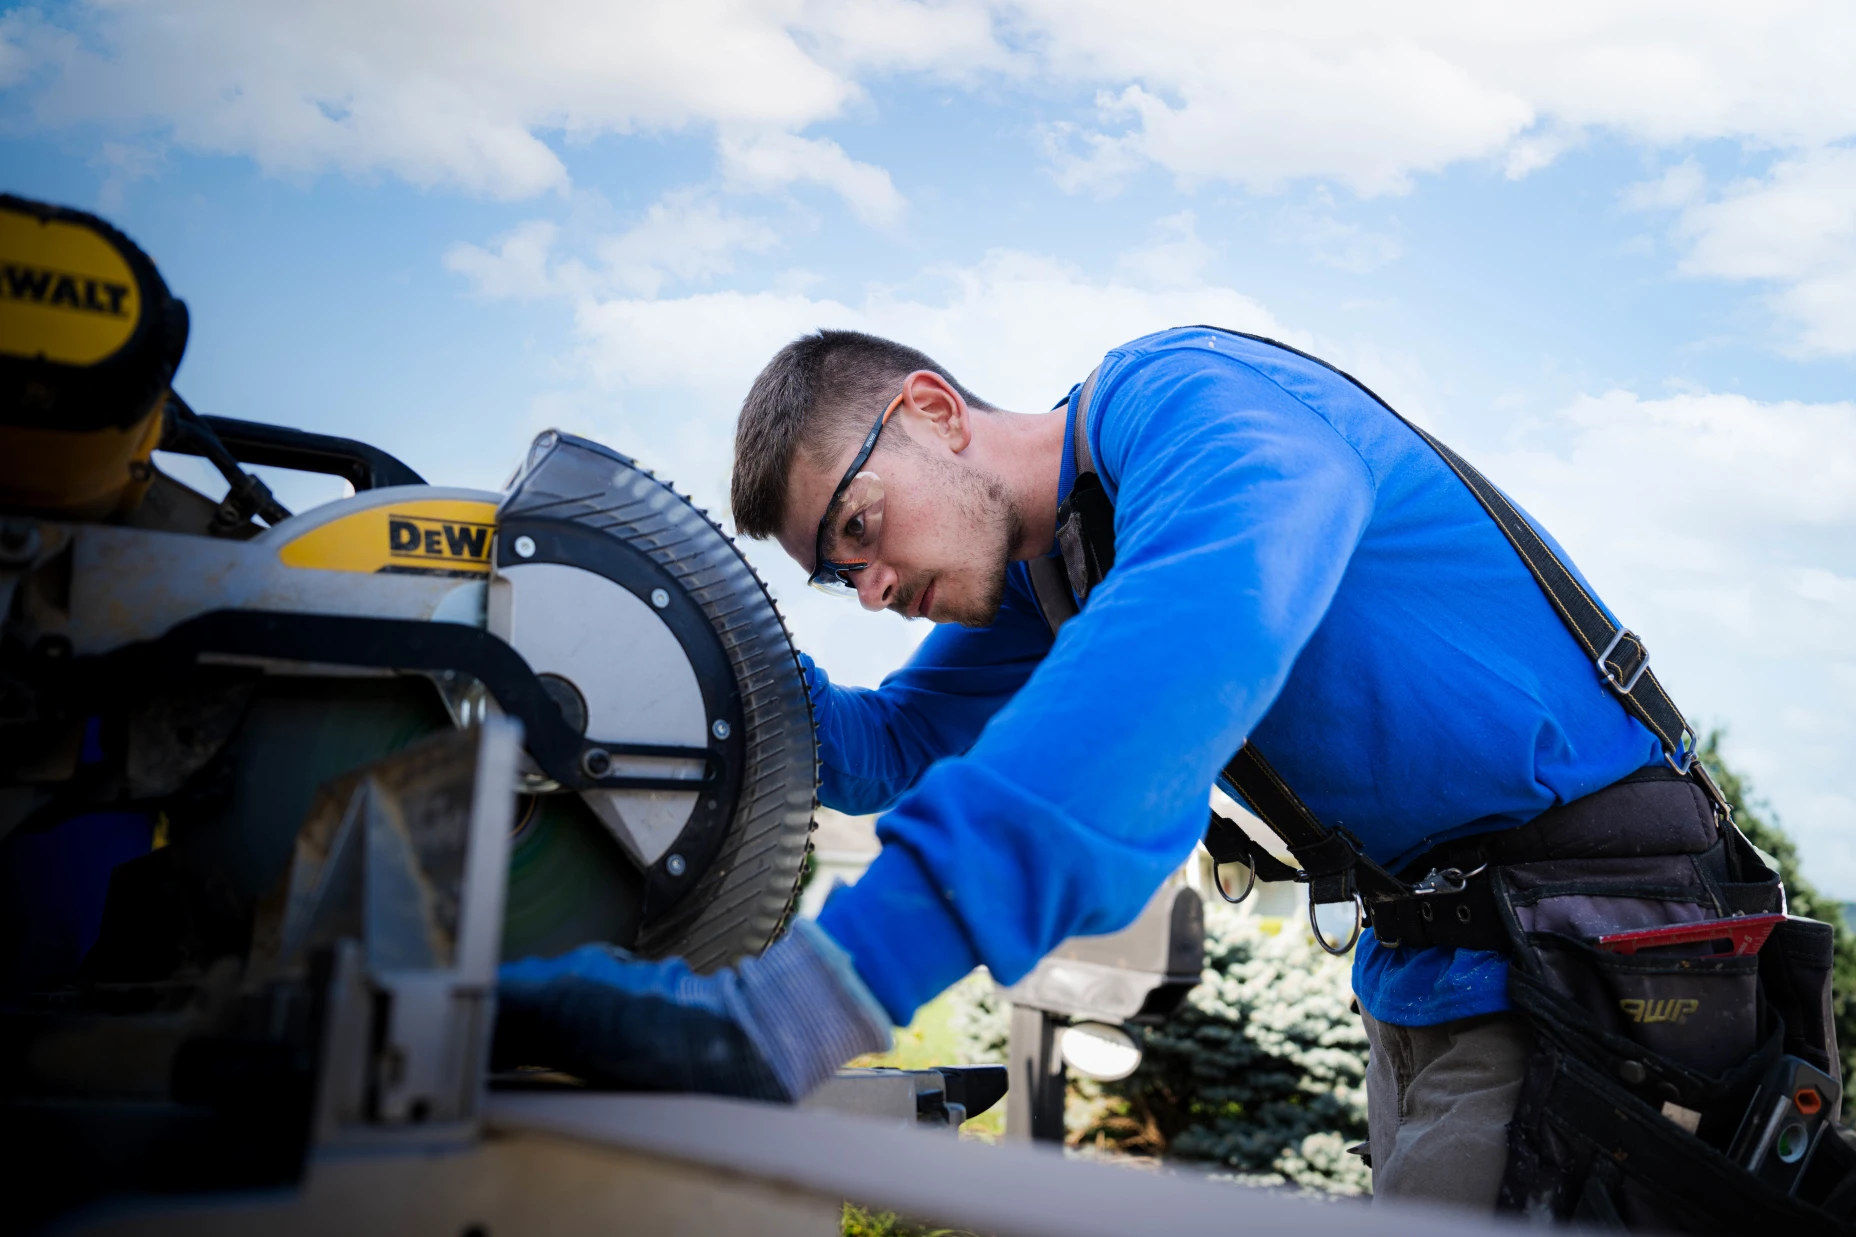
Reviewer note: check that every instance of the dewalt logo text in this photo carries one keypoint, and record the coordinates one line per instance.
(409, 536)
(36, 285)
(67, 295)
(421, 541)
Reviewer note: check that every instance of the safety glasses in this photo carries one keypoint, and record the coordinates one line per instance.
(853, 520)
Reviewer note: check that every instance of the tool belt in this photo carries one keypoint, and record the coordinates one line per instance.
(1673, 1085)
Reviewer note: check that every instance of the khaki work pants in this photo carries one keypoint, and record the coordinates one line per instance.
(1439, 1100)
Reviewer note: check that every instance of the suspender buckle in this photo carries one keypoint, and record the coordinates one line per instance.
(1445, 881)
(1622, 686)
(1683, 758)
(1723, 806)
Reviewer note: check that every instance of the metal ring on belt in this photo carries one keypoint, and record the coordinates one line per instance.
(1218, 880)
(1359, 921)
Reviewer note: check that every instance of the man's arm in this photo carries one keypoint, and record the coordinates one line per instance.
(1238, 508)
(873, 745)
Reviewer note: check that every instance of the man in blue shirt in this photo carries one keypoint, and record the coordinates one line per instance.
(1293, 566)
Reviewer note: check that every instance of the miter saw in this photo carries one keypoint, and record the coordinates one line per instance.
(183, 680)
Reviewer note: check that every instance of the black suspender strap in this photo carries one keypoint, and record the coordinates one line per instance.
(1618, 654)
(1053, 589)
(1333, 862)
(1050, 580)
(1079, 438)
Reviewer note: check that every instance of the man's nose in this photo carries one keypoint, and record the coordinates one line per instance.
(876, 586)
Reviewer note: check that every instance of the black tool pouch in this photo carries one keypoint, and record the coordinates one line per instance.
(1794, 976)
(1645, 1064)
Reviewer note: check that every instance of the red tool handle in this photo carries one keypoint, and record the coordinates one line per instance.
(1747, 934)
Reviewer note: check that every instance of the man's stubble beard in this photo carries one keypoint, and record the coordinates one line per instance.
(998, 527)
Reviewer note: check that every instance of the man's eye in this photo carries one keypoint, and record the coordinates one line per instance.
(854, 527)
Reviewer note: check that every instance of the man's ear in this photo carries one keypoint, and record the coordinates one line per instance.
(937, 407)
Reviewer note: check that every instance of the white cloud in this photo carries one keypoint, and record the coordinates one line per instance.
(1793, 229)
(453, 93)
(1360, 94)
(683, 237)
(1082, 159)
(1678, 186)
(1264, 112)
(125, 163)
(1017, 327)
(1722, 529)
(1174, 258)
(484, 96)
(520, 268)
(953, 39)
(21, 36)
(1532, 151)
(1333, 242)
(772, 160)
(1010, 324)
(1367, 94)
(1712, 466)
(467, 95)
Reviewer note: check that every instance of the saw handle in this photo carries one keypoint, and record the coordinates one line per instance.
(277, 446)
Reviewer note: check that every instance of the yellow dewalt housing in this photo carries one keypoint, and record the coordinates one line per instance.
(422, 536)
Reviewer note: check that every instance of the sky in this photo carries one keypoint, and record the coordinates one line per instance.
(1606, 250)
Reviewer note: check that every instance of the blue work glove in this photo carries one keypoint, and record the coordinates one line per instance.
(818, 683)
(771, 1027)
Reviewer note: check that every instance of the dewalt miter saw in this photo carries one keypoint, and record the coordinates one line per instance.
(168, 655)
(179, 675)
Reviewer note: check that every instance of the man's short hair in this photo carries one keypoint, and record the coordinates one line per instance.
(818, 393)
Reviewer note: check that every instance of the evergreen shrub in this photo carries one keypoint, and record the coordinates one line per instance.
(1261, 1072)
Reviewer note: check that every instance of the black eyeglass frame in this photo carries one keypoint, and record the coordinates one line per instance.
(827, 575)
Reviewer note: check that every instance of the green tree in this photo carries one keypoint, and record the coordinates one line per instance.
(1761, 825)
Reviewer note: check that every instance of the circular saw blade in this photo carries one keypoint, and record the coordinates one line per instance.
(724, 886)
(569, 882)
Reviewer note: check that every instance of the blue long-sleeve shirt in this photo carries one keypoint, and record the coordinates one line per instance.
(1293, 565)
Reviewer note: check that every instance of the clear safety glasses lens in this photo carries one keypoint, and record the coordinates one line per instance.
(851, 535)
(835, 581)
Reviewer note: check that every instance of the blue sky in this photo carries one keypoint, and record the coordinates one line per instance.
(1607, 250)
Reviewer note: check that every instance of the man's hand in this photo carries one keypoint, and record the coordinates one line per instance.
(771, 1027)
